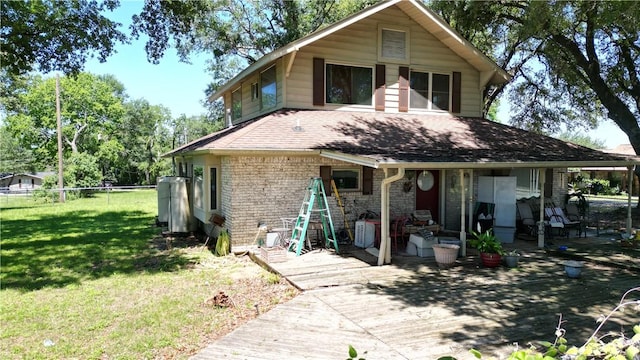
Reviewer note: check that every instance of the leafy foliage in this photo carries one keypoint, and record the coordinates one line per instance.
(55, 35)
(486, 242)
(573, 62)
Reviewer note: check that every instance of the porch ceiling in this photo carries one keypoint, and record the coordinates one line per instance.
(401, 140)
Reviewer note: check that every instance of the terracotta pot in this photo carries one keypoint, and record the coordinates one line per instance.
(490, 259)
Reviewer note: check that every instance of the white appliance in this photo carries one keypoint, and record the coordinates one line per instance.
(173, 203)
(501, 191)
(365, 234)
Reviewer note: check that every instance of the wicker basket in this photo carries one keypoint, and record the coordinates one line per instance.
(446, 254)
(273, 254)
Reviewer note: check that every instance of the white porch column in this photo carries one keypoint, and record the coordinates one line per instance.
(541, 227)
(463, 222)
(629, 189)
(384, 255)
(470, 212)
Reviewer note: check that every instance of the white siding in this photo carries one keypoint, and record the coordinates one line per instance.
(358, 44)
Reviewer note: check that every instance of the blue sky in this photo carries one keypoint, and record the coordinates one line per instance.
(180, 87)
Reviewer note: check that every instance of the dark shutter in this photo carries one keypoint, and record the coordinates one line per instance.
(325, 174)
(380, 87)
(318, 81)
(403, 80)
(455, 96)
(367, 180)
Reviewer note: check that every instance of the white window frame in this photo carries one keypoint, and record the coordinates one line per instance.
(430, 105)
(326, 80)
(275, 83)
(407, 44)
(216, 206)
(198, 187)
(357, 170)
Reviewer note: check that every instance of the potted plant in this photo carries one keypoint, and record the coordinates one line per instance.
(511, 258)
(489, 247)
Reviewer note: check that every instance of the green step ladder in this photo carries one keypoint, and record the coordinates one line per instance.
(315, 200)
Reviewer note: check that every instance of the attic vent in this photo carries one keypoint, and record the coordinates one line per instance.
(393, 45)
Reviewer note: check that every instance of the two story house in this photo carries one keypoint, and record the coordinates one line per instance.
(388, 103)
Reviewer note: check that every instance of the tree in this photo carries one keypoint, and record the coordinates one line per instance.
(55, 35)
(574, 62)
(90, 108)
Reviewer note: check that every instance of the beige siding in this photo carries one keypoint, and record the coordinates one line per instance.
(251, 109)
(358, 44)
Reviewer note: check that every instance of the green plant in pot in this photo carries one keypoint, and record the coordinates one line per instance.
(489, 247)
(511, 258)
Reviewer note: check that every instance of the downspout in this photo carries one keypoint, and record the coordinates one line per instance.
(384, 255)
(541, 227)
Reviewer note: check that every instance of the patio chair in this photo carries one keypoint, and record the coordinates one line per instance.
(572, 212)
(526, 218)
(397, 231)
(557, 219)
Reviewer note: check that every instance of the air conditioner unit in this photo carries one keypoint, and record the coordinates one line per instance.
(365, 234)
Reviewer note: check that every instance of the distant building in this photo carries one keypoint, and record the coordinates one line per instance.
(22, 182)
(617, 175)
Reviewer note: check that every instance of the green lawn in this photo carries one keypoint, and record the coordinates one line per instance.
(92, 279)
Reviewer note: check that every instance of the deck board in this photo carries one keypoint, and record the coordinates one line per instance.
(411, 309)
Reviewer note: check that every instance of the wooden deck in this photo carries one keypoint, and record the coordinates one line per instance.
(411, 309)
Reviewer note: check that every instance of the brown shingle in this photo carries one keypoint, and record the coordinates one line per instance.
(397, 137)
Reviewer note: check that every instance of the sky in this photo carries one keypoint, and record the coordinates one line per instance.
(181, 87)
(178, 86)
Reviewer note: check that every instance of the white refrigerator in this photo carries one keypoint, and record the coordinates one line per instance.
(501, 191)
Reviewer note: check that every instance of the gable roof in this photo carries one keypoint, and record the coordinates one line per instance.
(414, 9)
(400, 140)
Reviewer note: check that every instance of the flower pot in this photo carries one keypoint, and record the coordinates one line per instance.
(490, 260)
(511, 260)
(573, 268)
(446, 254)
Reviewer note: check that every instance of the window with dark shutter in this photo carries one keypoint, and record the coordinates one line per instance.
(403, 81)
(318, 81)
(456, 92)
(380, 87)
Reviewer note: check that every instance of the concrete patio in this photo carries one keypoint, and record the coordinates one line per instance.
(412, 309)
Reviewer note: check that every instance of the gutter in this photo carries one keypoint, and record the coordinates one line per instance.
(384, 255)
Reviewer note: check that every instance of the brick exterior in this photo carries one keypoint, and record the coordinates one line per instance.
(264, 189)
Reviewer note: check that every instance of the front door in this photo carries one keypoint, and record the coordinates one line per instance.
(428, 199)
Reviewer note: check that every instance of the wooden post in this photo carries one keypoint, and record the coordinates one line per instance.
(59, 123)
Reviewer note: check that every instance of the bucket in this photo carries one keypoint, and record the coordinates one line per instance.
(445, 254)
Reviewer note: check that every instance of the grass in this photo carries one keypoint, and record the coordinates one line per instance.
(93, 279)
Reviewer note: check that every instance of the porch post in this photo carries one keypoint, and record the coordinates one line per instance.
(541, 227)
(470, 212)
(629, 189)
(463, 222)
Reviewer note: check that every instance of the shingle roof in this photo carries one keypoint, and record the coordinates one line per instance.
(401, 138)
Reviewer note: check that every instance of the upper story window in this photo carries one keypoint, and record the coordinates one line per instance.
(393, 44)
(349, 84)
(268, 88)
(430, 91)
(236, 104)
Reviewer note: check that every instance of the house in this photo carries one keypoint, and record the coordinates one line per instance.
(388, 103)
(617, 175)
(22, 182)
